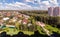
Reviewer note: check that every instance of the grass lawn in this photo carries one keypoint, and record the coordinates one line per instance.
(51, 29)
(12, 31)
(41, 31)
(28, 32)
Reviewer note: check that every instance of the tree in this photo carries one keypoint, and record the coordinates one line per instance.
(34, 23)
(17, 24)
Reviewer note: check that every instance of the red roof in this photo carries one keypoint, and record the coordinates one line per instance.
(25, 20)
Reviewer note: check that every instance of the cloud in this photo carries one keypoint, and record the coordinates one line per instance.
(29, 0)
(53, 2)
(15, 6)
(22, 4)
(33, 1)
(41, 5)
(46, 3)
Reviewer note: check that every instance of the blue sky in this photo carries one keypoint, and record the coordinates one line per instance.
(28, 4)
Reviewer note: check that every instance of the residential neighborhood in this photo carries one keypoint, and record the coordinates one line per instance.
(29, 18)
(10, 18)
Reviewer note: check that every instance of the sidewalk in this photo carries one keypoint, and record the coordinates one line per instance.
(42, 25)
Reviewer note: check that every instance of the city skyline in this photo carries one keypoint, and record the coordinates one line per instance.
(28, 4)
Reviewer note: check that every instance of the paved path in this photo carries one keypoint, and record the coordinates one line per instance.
(46, 31)
(42, 25)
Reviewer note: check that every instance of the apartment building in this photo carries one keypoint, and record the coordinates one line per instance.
(54, 11)
(50, 11)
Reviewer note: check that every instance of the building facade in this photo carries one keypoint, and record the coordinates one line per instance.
(54, 11)
(50, 11)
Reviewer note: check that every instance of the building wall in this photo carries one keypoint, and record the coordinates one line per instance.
(59, 11)
(54, 11)
(50, 11)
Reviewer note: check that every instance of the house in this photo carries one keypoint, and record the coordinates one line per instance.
(6, 18)
(25, 21)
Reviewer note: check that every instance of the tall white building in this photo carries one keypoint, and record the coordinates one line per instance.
(50, 11)
(54, 11)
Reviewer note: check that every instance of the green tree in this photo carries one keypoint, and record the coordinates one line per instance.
(17, 24)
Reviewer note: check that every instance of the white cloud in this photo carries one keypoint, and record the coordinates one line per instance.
(53, 2)
(33, 1)
(15, 6)
(29, 0)
(45, 2)
(20, 6)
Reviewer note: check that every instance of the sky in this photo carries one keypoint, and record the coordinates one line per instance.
(28, 4)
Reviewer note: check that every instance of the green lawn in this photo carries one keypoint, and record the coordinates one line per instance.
(40, 30)
(51, 29)
(13, 31)
(28, 32)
